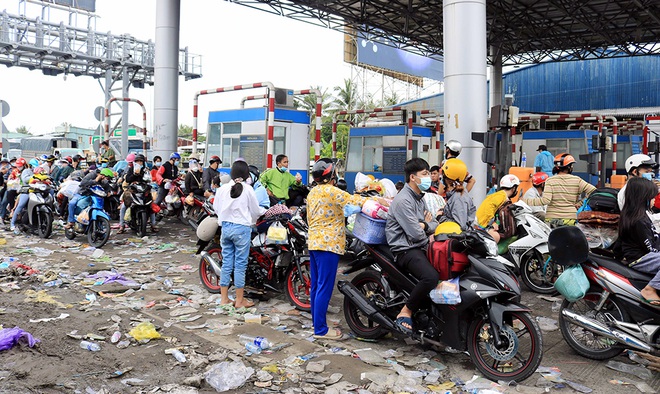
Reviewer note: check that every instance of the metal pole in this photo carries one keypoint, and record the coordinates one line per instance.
(124, 113)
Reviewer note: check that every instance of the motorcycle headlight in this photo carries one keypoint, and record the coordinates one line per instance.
(491, 246)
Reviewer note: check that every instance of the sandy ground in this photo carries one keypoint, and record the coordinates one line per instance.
(167, 293)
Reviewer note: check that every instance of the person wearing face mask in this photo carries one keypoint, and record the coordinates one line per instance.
(193, 181)
(166, 173)
(134, 174)
(211, 172)
(637, 166)
(156, 163)
(407, 230)
(277, 182)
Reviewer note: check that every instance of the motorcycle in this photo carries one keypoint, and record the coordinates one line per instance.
(196, 212)
(38, 214)
(95, 222)
(270, 267)
(140, 208)
(527, 251)
(612, 316)
(112, 201)
(173, 205)
(503, 340)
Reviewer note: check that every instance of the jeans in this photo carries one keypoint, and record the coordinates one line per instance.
(415, 261)
(8, 201)
(162, 193)
(323, 269)
(235, 242)
(650, 264)
(22, 202)
(122, 212)
(72, 208)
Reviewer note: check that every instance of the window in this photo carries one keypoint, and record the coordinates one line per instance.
(557, 146)
(279, 140)
(365, 154)
(577, 147)
(230, 143)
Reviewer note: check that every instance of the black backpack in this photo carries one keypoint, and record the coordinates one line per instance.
(604, 199)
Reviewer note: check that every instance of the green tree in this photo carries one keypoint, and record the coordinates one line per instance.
(390, 100)
(185, 131)
(342, 143)
(23, 130)
(346, 97)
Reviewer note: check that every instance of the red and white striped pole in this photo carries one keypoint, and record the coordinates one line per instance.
(271, 113)
(600, 153)
(144, 120)
(409, 133)
(256, 97)
(319, 115)
(615, 134)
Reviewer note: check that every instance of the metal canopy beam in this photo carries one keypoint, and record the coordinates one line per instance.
(527, 31)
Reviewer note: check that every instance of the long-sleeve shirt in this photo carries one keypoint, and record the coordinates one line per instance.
(243, 209)
(639, 240)
(207, 177)
(194, 184)
(561, 194)
(262, 195)
(533, 192)
(278, 182)
(403, 230)
(488, 208)
(325, 215)
(545, 162)
(460, 209)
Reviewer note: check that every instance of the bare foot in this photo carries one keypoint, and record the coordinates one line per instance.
(650, 295)
(226, 302)
(244, 304)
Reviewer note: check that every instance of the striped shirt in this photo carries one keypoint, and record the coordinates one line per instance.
(562, 192)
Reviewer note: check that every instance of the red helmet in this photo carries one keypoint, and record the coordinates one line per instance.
(20, 162)
(563, 160)
(69, 159)
(539, 178)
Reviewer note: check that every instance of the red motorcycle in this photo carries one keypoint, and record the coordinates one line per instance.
(173, 204)
(279, 268)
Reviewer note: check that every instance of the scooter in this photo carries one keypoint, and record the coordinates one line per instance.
(140, 208)
(38, 214)
(527, 251)
(173, 205)
(612, 316)
(91, 219)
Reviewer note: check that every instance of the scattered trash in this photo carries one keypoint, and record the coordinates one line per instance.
(10, 337)
(103, 277)
(116, 336)
(250, 318)
(144, 330)
(578, 387)
(369, 356)
(180, 357)
(227, 375)
(261, 342)
(547, 324)
(91, 346)
(54, 283)
(641, 386)
(47, 319)
(640, 372)
(42, 296)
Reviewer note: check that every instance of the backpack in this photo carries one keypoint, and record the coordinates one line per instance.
(506, 221)
(604, 199)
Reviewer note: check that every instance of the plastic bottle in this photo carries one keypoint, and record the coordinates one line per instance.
(180, 357)
(252, 348)
(260, 342)
(53, 283)
(523, 161)
(116, 336)
(91, 346)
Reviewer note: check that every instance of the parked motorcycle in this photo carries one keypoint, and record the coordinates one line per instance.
(612, 316)
(112, 200)
(37, 217)
(527, 251)
(95, 223)
(503, 340)
(196, 212)
(140, 209)
(173, 205)
(279, 268)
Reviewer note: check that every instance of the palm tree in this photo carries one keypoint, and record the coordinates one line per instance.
(346, 97)
(308, 102)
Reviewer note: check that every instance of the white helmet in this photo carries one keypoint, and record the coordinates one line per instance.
(207, 228)
(454, 146)
(509, 181)
(637, 160)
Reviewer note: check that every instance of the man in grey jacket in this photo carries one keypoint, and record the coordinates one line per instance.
(408, 228)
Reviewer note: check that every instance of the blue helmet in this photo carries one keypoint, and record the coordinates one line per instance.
(175, 156)
(33, 163)
(43, 157)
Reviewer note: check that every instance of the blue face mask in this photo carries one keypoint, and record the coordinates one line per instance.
(176, 163)
(648, 175)
(104, 165)
(282, 169)
(425, 184)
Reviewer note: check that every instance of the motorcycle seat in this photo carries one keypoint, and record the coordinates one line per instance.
(384, 250)
(618, 267)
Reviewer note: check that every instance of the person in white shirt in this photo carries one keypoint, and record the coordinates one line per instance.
(536, 191)
(639, 165)
(238, 209)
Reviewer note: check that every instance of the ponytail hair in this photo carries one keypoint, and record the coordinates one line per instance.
(239, 173)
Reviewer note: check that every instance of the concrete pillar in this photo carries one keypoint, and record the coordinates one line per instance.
(166, 78)
(464, 30)
(124, 113)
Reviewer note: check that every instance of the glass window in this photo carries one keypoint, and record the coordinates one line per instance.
(557, 146)
(279, 140)
(278, 131)
(576, 148)
(373, 141)
(231, 128)
(213, 137)
(354, 160)
(230, 146)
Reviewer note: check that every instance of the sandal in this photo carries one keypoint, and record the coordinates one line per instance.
(122, 229)
(68, 226)
(154, 229)
(407, 320)
(334, 333)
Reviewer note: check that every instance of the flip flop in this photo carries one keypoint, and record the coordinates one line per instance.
(401, 320)
(331, 334)
(653, 302)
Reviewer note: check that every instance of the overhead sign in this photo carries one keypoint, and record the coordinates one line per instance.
(85, 5)
(131, 133)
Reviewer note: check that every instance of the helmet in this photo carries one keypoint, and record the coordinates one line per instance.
(254, 171)
(107, 173)
(38, 170)
(34, 162)
(563, 160)
(76, 157)
(194, 156)
(509, 181)
(454, 146)
(43, 157)
(175, 156)
(41, 176)
(638, 160)
(341, 183)
(104, 160)
(323, 171)
(455, 169)
(207, 228)
(130, 157)
(50, 158)
(215, 159)
(448, 228)
(139, 157)
(539, 178)
(98, 190)
(20, 162)
(69, 159)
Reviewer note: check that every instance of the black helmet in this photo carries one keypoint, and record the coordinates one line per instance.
(324, 171)
(139, 157)
(76, 158)
(341, 183)
(254, 171)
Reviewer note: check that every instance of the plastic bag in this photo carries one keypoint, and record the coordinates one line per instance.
(83, 217)
(374, 210)
(433, 203)
(276, 234)
(351, 210)
(227, 375)
(190, 200)
(10, 337)
(127, 214)
(447, 292)
(13, 184)
(144, 330)
(390, 188)
(572, 283)
(69, 188)
(361, 181)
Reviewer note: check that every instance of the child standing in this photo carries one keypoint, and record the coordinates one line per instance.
(488, 208)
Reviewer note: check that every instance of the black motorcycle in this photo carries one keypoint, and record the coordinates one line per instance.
(112, 201)
(503, 340)
(37, 217)
(140, 209)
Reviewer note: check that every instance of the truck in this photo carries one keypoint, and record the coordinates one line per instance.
(45, 145)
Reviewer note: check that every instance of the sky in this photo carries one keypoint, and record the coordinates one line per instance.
(238, 45)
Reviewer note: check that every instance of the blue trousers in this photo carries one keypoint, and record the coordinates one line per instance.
(72, 208)
(650, 264)
(323, 268)
(235, 242)
(22, 203)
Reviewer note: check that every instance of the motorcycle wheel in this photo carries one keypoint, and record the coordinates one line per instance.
(207, 276)
(583, 341)
(298, 285)
(69, 233)
(369, 283)
(537, 276)
(141, 224)
(518, 357)
(45, 223)
(98, 232)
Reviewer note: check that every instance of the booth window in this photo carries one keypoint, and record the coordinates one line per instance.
(214, 141)
(365, 154)
(279, 140)
(231, 134)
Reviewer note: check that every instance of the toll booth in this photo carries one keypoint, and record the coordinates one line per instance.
(381, 151)
(242, 133)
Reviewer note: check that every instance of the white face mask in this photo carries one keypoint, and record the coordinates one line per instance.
(137, 167)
